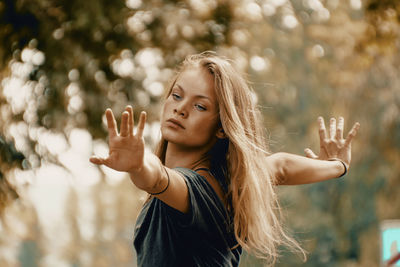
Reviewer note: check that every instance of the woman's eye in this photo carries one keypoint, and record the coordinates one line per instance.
(200, 107)
(176, 96)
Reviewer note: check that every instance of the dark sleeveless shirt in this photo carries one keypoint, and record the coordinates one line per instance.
(202, 237)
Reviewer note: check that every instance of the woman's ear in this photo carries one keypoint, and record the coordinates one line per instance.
(221, 133)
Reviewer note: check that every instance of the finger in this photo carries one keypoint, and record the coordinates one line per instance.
(142, 122)
(124, 124)
(322, 130)
(130, 119)
(97, 160)
(310, 153)
(332, 128)
(352, 134)
(111, 123)
(339, 131)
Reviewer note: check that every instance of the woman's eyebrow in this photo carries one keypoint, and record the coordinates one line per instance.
(197, 96)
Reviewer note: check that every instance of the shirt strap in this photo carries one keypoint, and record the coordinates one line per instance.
(202, 169)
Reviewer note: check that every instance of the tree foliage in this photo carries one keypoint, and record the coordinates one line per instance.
(64, 62)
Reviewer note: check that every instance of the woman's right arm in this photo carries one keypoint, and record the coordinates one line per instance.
(127, 153)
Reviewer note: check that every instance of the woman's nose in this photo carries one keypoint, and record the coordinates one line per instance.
(180, 110)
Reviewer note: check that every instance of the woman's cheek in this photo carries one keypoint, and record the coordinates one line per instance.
(205, 131)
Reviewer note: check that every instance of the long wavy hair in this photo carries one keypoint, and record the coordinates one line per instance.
(243, 157)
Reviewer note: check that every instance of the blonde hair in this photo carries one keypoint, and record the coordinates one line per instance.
(257, 223)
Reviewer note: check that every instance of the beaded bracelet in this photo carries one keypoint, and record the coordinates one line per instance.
(162, 191)
(344, 165)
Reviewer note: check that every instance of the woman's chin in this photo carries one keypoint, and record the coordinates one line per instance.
(171, 136)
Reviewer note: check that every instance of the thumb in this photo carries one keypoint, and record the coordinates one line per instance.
(98, 160)
(310, 153)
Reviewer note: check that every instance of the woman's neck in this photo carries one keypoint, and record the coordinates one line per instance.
(177, 156)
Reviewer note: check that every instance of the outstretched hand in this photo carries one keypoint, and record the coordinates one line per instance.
(126, 149)
(334, 145)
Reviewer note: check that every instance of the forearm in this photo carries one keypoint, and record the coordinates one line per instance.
(149, 175)
(295, 169)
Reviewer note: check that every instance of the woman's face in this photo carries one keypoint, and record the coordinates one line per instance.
(190, 116)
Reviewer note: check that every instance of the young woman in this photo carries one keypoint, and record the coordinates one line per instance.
(212, 179)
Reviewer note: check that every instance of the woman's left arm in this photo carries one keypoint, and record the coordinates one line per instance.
(333, 160)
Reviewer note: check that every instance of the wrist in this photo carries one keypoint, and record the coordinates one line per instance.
(138, 168)
(135, 171)
(344, 164)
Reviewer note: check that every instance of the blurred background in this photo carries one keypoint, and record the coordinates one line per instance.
(62, 63)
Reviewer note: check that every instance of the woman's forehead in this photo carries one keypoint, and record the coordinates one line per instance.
(196, 80)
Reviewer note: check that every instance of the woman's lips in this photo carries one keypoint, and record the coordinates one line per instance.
(174, 123)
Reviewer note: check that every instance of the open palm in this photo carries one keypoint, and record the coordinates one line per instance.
(334, 146)
(126, 149)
